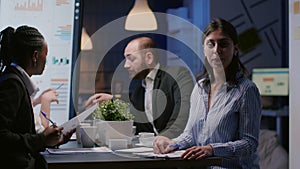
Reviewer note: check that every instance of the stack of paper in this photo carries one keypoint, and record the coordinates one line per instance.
(175, 154)
(135, 150)
(78, 150)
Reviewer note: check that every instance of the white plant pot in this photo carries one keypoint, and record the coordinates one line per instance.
(113, 130)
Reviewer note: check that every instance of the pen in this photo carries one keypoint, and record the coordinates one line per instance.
(59, 86)
(45, 115)
(176, 146)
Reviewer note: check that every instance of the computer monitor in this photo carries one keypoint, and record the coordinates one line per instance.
(271, 81)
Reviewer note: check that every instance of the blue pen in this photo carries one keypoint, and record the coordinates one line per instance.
(45, 115)
(176, 146)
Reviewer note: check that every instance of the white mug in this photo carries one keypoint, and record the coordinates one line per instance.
(87, 136)
(146, 138)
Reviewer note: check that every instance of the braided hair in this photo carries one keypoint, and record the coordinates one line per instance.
(19, 45)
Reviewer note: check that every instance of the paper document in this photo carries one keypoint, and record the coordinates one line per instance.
(135, 150)
(78, 150)
(175, 154)
(75, 121)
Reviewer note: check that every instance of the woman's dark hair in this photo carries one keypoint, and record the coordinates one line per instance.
(19, 45)
(235, 65)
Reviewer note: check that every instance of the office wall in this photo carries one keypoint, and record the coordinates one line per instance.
(260, 25)
(294, 43)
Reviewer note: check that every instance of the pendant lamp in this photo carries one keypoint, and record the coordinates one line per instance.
(86, 42)
(141, 17)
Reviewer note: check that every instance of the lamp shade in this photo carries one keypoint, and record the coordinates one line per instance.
(86, 42)
(140, 17)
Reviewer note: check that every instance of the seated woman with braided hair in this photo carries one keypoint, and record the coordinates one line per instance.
(23, 54)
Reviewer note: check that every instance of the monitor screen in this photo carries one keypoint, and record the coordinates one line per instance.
(271, 81)
(58, 21)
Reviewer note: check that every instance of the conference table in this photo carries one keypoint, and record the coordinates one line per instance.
(113, 160)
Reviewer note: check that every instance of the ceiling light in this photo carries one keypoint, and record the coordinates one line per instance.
(141, 17)
(86, 42)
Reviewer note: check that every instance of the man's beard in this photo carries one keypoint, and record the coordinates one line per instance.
(142, 74)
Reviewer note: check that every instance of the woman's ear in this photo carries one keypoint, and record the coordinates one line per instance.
(235, 52)
(35, 58)
(236, 49)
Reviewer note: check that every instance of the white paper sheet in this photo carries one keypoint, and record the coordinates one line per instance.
(135, 150)
(75, 121)
(175, 154)
(78, 150)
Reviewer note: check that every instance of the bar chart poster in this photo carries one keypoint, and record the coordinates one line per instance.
(55, 20)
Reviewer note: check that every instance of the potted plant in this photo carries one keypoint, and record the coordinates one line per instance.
(114, 121)
(113, 110)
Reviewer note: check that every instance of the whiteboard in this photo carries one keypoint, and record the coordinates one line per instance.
(57, 21)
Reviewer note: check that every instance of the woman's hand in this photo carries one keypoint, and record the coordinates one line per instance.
(48, 96)
(52, 135)
(55, 137)
(197, 152)
(161, 145)
(45, 99)
(66, 136)
(97, 98)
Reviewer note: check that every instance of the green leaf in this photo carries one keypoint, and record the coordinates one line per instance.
(116, 110)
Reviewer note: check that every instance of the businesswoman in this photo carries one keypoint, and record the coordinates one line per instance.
(225, 108)
(23, 54)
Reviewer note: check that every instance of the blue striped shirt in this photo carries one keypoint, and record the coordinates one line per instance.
(231, 125)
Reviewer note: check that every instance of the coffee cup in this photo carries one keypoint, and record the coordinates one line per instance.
(87, 136)
(146, 139)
